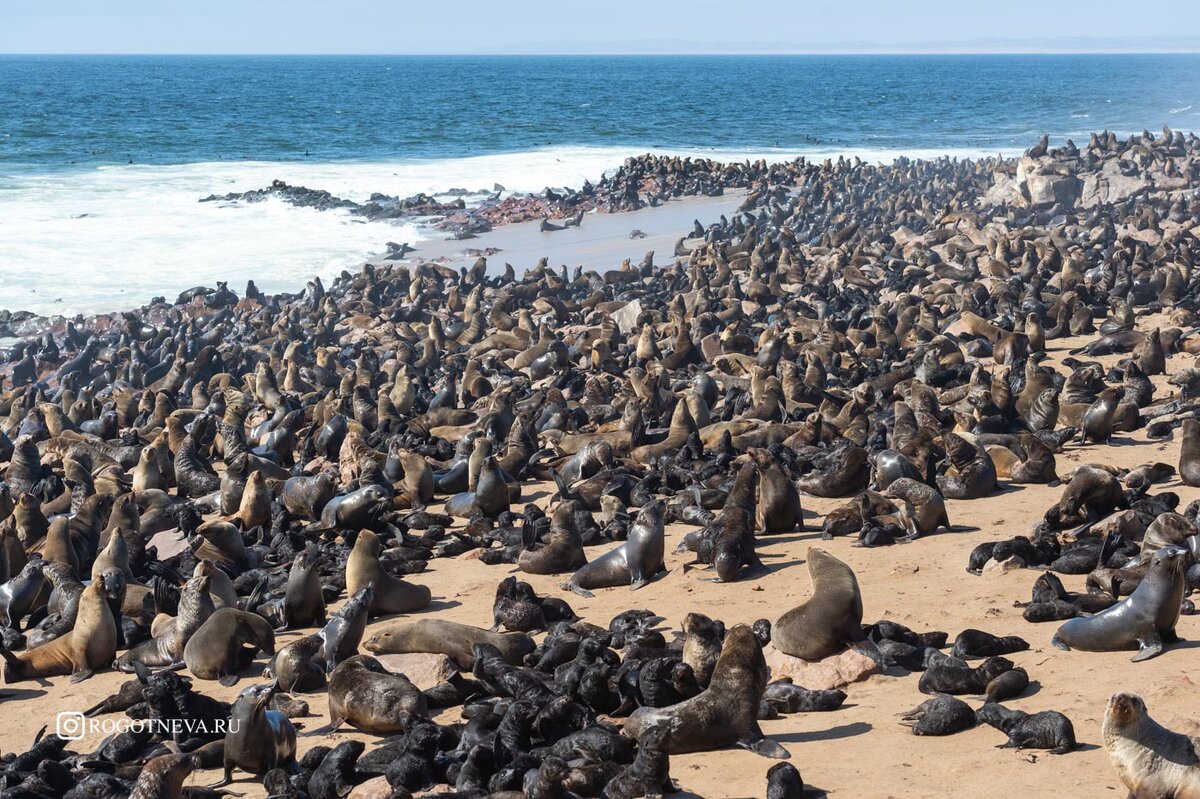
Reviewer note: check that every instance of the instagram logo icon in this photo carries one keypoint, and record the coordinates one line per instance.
(70, 725)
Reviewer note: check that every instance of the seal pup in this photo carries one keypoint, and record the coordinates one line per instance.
(724, 713)
(1145, 620)
(258, 739)
(784, 782)
(391, 594)
(1048, 729)
(632, 563)
(941, 715)
(1151, 760)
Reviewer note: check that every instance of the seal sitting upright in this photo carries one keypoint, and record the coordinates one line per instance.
(724, 713)
(1151, 760)
(1144, 620)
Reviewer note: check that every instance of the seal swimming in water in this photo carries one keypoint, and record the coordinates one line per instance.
(726, 712)
(632, 563)
(1145, 620)
(1150, 759)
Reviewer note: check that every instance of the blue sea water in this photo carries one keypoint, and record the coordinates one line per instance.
(102, 158)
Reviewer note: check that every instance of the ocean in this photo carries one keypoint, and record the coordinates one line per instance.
(103, 158)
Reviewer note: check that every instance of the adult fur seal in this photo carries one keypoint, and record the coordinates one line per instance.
(392, 594)
(354, 510)
(830, 620)
(258, 739)
(490, 496)
(166, 648)
(365, 695)
(1189, 453)
(632, 563)
(456, 641)
(1145, 620)
(724, 713)
(217, 651)
(563, 552)
(162, 777)
(91, 644)
(1151, 760)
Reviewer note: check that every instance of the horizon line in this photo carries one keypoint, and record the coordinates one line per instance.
(624, 53)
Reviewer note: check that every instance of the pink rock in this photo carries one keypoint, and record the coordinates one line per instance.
(835, 671)
(169, 543)
(424, 669)
(374, 788)
(995, 567)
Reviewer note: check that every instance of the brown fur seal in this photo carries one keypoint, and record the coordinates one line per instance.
(298, 665)
(632, 563)
(166, 648)
(778, 500)
(162, 777)
(305, 497)
(490, 497)
(456, 641)
(1145, 620)
(1152, 761)
(1189, 453)
(724, 713)
(91, 644)
(830, 620)
(849, 473)
(563, 552)
(258, 739)
(365, 695)
(392, 594)
(217, 650)
(303, 600)
(924, 505)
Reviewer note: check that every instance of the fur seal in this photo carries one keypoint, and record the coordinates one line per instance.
(1048, 729)
(724, 713)
(632, 563)
(456, 641)
(1189, 453)
(941, 715)
(1145, 620)
(91, 644)
(391, 594)
(365, 695)
(298, 665)
(830, 620)
(162, 777)
(354, 510)
(217, 651)
(166, 648)
(563, 552)
(490, 497)
(258, 739)
(1151, 760)
(345, 628)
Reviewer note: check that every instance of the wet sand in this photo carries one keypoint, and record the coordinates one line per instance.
(859, 750)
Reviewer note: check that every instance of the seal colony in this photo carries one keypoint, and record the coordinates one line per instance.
(235, 498)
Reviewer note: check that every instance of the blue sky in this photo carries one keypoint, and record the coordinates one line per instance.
(497, 26)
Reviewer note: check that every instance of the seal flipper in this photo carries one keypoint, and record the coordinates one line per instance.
(229, 680)
(81, 675)
(1151, 646)
(576, 588)
(766, 747)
